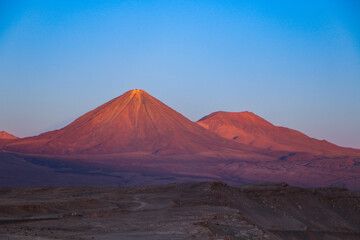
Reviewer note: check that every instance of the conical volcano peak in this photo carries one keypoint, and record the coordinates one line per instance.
(132, 122)
(136, 91)
(134, 94)
(130, 99)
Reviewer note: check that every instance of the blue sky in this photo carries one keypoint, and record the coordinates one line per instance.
(294, 63)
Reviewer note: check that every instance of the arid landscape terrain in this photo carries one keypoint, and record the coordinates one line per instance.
(179, 120)
(134, 168)
(206, 210)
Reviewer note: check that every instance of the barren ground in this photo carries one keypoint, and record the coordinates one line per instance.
(179, 211)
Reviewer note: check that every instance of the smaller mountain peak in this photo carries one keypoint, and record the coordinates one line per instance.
(225, 114)
(5, 135)
(247, 113)
(234, 113)
(243, 118)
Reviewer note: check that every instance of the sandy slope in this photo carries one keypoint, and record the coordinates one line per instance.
(127, 170)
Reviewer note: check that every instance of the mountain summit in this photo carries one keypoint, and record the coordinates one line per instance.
(248, 128)
(5, 135)
(132, 122)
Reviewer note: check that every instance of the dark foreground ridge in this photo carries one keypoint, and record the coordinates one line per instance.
(208, 210)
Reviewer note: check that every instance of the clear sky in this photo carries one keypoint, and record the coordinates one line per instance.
(294, 63)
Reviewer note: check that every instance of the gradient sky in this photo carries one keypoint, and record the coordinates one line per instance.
(294, 63)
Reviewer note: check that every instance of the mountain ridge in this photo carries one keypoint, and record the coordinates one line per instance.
(249, 128)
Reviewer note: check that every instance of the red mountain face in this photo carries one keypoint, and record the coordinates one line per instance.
(5, 135)
(250, 129)
(133, 122)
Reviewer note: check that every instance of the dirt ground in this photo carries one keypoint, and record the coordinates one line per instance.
(208, 210)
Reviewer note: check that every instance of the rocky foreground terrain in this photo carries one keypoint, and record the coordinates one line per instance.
(209, 210)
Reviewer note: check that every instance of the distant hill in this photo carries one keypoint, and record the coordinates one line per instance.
(5, 135)
(250, 129)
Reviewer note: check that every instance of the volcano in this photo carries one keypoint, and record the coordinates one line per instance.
(248, 128)
(132, 122)
(5, 135)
